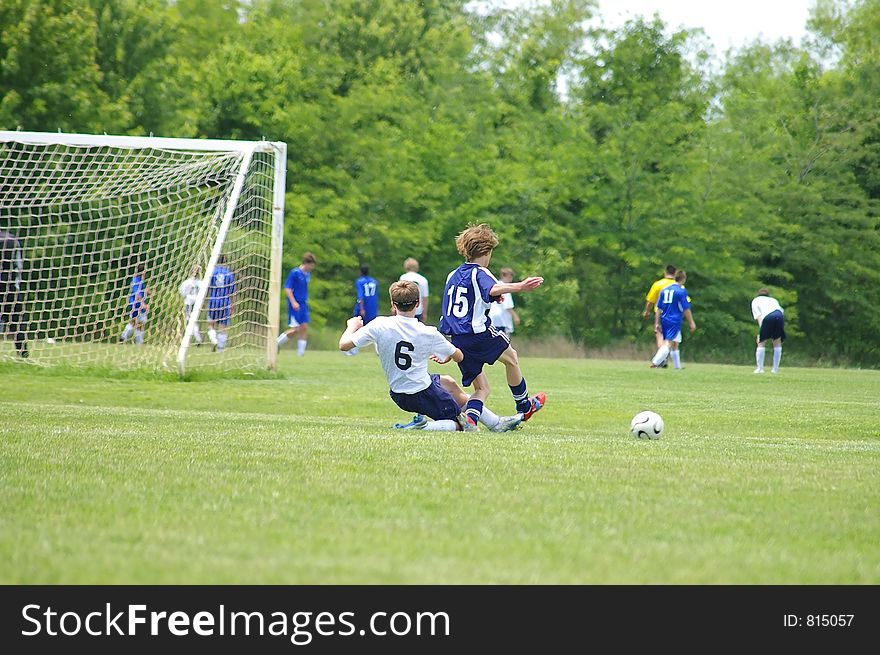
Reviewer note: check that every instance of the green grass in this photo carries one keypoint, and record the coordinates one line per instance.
(300, 479)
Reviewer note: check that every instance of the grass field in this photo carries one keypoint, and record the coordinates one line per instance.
(300, 479)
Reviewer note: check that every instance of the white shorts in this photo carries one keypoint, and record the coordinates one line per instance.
(678, 337)
(292, 323)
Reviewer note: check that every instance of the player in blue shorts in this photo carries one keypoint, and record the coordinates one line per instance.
(469, 290)
(673, 305)
(137, 308)
(220, 290)
(367, 304)
(297, 290)
(771, 327)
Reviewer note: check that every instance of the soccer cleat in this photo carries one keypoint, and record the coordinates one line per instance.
(417, 423)
(537, 401)
(508, 423)
(758, 370)
(664, 364)
(466, 423)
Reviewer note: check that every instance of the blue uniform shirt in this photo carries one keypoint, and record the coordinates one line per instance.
(138, 289)
(367, 289)
(298, 283)
(222, 285)
(466, 300)
(672, 303)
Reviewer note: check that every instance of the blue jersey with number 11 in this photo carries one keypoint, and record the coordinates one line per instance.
(672, 303)
(466, 300)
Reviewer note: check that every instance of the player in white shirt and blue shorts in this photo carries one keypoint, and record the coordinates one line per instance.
(405, 345)
(771, 321)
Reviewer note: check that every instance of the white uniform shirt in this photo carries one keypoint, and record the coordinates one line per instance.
(499, 314)
(763, 305)
(422, 282)
(189, 289)
(404, 345)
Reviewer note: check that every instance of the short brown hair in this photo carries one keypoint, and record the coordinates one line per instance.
(405, 295)
(475, 241)
(506, 271)
(411, 264)
(680, 275)
(309, 258)
(763, 291)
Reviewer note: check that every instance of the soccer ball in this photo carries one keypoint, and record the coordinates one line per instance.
(646, 425)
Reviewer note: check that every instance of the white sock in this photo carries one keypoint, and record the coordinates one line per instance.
(759, 357)
(489, 418)
(301, 347)
(197, 334)
(661, 355)
(212, 336)
(282, 339)
(138, 336)
(446, 425)
(126, 333)
(221, 340)
(777, 357)
(676, 358)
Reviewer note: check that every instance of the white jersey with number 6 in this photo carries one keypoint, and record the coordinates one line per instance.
(404, 346)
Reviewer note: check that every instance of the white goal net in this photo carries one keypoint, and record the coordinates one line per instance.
(124, 252)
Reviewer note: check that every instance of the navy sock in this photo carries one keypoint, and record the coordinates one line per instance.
(521, 396)
(473, 409)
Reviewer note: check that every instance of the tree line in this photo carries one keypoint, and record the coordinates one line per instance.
(599, 156)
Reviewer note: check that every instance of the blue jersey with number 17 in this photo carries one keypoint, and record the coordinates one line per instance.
(466, 300)
(367, 289)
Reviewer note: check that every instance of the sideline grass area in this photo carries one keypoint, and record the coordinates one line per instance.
(757, 479)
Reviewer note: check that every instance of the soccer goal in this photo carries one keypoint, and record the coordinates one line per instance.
(112, 229)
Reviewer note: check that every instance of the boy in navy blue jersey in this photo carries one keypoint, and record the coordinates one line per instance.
(469, 290)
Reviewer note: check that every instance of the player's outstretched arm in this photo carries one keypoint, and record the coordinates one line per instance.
(529, 284)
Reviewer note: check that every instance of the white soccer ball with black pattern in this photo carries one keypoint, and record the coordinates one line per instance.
(646, 425)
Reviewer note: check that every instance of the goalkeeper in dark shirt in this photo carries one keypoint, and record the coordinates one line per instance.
(11, 309)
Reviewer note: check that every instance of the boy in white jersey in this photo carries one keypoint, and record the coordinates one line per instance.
(771, 321)
(189, 290)
(466, 300)
(405, 345)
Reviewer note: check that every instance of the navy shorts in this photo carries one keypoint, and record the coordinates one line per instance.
(479, 349)
(772, 327)
(434, 402)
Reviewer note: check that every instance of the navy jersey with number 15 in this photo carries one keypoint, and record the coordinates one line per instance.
(466, 300)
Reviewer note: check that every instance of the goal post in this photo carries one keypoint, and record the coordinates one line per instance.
(136, 247)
